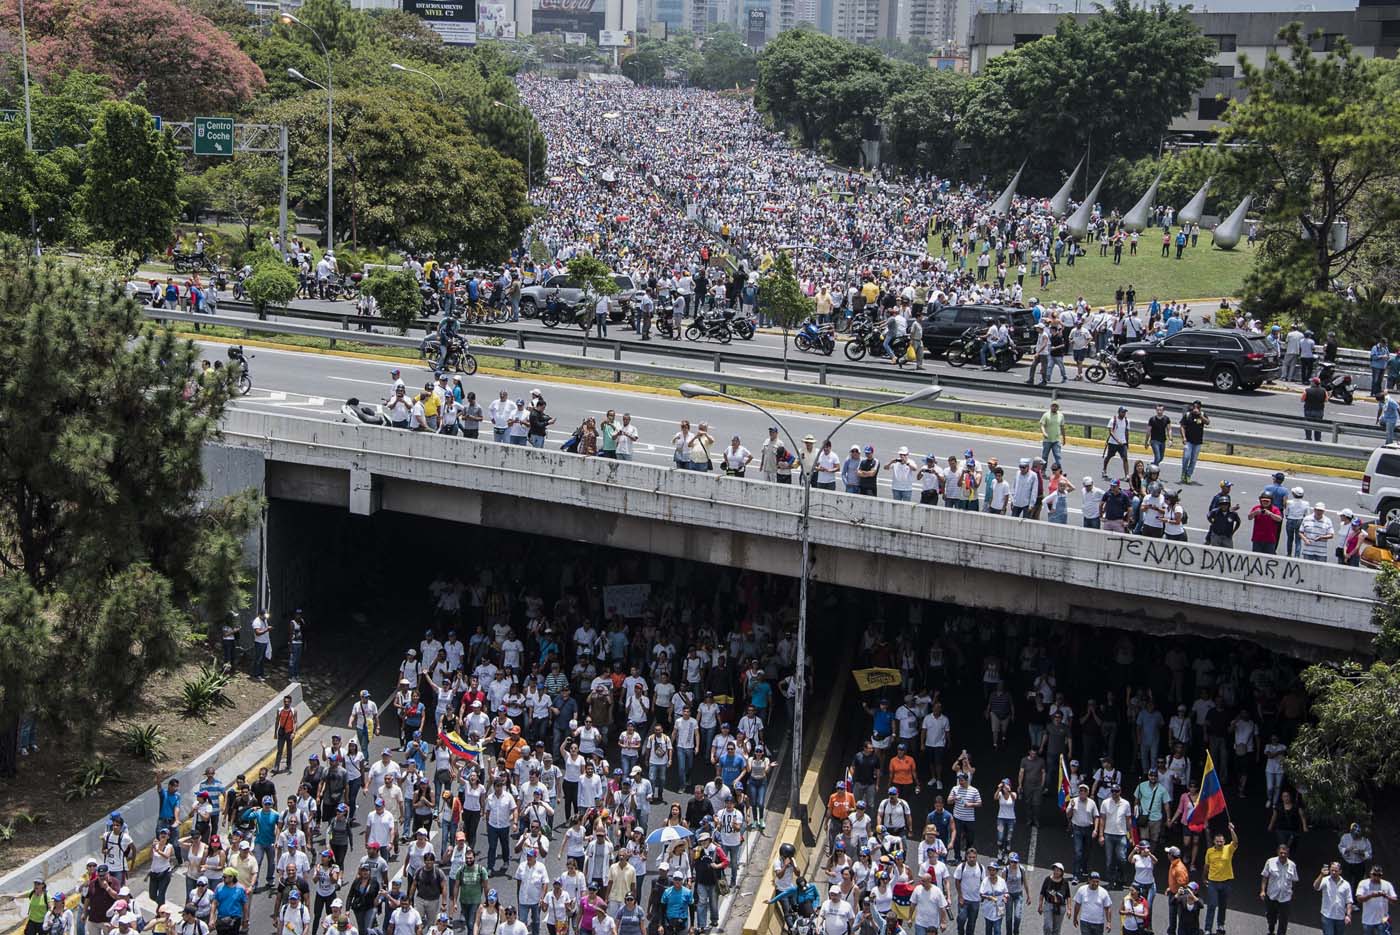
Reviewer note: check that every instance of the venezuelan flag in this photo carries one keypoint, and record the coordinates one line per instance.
(1210, 802)
(1064, 793)
(457, 746)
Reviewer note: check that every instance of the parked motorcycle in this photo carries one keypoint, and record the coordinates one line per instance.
(1128, 372)
(813, 336)
(742, 326)
(968, 350)
(871, 340)
(238, 362)
(711, 326)
(557, 312)
(192, 262)
(1339, 386)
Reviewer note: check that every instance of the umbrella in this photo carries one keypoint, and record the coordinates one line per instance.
(669, 835)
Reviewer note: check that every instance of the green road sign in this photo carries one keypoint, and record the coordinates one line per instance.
(213, 136)
(9, 116)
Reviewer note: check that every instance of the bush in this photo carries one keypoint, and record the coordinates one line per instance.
(205, 692)
(271, 283)
(397, 294)
(144, 741)
(87, 781)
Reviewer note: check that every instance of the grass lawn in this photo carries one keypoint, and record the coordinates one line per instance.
(1203, 272)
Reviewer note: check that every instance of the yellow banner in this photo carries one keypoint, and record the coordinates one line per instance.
(869, 680)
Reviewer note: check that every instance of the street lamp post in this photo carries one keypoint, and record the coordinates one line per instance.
(694, 390)
(330, 125)
(529, 142)
(442, 95)
(28, 122)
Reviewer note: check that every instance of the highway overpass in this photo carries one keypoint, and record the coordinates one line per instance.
(975, 560)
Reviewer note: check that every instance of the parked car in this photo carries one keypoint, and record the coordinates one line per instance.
(1226, 357)
(948, 323)
(532, 298)
(1380, 484)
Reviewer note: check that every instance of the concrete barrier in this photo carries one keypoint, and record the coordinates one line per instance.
(61, 864)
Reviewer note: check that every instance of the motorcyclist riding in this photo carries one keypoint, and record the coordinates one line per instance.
(997, 337)
(447, 330)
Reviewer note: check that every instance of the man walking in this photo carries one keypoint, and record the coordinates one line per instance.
(1276, 890)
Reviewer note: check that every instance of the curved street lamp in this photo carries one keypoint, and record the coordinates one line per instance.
(442, 95)
(695, 390)
(289, 18)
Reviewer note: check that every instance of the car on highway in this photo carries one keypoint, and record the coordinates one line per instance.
(947, 324)
(1227, 358)
(533, 297)
(1380, 484)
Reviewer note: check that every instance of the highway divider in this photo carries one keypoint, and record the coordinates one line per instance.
(1274, 442)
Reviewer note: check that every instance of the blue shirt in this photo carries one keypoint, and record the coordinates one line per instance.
(1174, 324)
(677, 900)
(1277, 493)
(267, 826)
(943, 821)
(730, 767)
(169, 801)
(231, 899)
(215, 790)
(761, 693)
(884, 721)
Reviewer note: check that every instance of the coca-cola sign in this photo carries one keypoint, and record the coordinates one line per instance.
(570, 6)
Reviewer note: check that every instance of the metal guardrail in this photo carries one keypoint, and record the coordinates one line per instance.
(958, 408)
(824, 369)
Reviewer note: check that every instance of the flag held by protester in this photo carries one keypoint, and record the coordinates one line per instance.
(1211, 800)
(869, 680)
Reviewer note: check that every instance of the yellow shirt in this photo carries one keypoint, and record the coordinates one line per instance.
(870, 291)
(1220, 863)
(430, 405)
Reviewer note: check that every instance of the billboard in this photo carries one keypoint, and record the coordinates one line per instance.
(585, 16)
(614, 38)
(576, 38)
(757, 28)
(454, 20)
(493, 21)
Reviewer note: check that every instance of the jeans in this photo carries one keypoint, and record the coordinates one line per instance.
(1090, 928)
(1159, 450)
(992, 926)
(905, 495)
(284, 741)
(1048, 448)
(1217, 900)
(1276, 914)
(1014, 910)
(1333, 926)
(263, 854)
(530, 915)
(967, 918)
(498, 435)
(468, 913)
(536, 441)
(1115, 855)
(1293, 544)
(733, 851)
(294, 660)
(157, 884)
(1189, 453)
(656, 773)
(706, 905)
(853, 488)
(684, 759)
(758, 794)
(495, 836)
(1006, 828)
(1057, 361)
(965, 837)
(1051, 920)
(1080, 834)
(1377, 379)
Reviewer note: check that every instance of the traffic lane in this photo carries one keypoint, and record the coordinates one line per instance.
(304, 379)
(1175, 394)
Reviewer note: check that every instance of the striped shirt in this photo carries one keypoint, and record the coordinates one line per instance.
(963, 799)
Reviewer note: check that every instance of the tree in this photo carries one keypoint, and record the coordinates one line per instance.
(34, 188)
(129, 188)
(784, 66)
(395, 291)
(1316, 137)
(725, 62)
(1347, 757)
(110, 564)
(270, 283)
(1100, 80)
(185, 64)
(244, 188)
(782, 298)
(920, 122)
(593, 274)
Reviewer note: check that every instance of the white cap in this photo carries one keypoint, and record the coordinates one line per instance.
(904, 449)
(1088, 480)
(1319, 505)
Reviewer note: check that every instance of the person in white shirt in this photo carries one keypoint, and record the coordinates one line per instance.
(558, 907)
(1093, 908)
(625, 437)
(1374, 895)
(1025, 488)
(929, 905)
(511, 924)
(533, 880)
(736, 458)
(994, 895)
(836, 914)
(1117, 441)
(1276, 890)
(293, 918)
(501, 412)
(902, 472)
(1336, 898)
(1091, 502)
(1315, 533)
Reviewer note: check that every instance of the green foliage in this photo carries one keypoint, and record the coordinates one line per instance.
(205, 692)
(195, 194)
(271, 283)
(1319, 134)
(33, 186)
(88, 780)
(97, 606)
(725, 62)
(593, 274)
(129, 188)
(396, 293)
(1183, 173)
(144, 741)
(1101, 79)
(244, 188)
(920, 121)
(1347, 758)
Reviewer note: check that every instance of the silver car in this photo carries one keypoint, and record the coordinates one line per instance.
(533, 298)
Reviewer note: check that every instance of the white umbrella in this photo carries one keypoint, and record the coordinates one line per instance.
(669, 835)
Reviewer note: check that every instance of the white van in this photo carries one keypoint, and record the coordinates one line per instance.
(1380, 485)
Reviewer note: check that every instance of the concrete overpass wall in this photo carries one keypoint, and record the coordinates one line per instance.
(1060, 572)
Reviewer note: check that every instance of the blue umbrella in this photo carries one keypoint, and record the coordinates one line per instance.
(669, 834)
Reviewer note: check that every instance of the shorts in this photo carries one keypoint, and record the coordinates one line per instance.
(1080, 354)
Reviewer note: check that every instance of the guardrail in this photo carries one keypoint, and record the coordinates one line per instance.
(823, 369)
(959, 408)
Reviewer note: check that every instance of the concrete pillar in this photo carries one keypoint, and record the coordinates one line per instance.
(364, 493)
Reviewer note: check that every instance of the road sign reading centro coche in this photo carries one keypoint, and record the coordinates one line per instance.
(213, 136)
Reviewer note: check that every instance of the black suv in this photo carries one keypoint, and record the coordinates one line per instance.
(947, 325)
(1228, 358)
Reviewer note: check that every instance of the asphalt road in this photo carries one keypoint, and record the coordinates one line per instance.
(315, 386)
(1005, 388)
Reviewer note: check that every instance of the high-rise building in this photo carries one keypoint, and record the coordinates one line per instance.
(931, 20)
(864, 20)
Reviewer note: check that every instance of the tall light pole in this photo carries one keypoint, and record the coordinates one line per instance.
(330, 125)
(529, 142)
(694, 390)
(442, 95)
(28, 123)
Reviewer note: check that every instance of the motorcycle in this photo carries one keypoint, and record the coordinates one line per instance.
(191, 262)
(870, 340)
(238, 362)
(968, 350)
(712, 326)
(813, 336)
(664, 326)
(741, 325)
(432, 303)
(1339, 386)
(558, 311)
(365, 413)
(1129, 372)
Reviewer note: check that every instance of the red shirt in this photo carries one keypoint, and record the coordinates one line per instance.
(1267, 523)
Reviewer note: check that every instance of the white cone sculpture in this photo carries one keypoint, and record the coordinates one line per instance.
(1078, 222)
(1137, 217)
(1191, 214)
(1003, 204)
(1059, 202)
(1227, 232)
